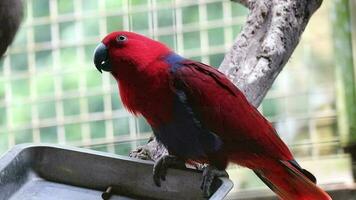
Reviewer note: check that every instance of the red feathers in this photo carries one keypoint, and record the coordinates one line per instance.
(150, 96)
(225, 111)
(148, 85)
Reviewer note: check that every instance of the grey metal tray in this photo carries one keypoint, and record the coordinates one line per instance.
(52, 172)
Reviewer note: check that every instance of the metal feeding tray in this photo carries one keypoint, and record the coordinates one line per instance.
(51, 172)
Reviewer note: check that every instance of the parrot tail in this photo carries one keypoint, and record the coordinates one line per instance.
(290, 182)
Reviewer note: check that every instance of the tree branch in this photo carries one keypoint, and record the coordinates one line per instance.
(259, 53)
(264, 46)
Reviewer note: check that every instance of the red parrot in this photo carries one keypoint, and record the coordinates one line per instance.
(199, 115)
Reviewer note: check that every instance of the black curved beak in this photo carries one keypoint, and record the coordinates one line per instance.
(101, 58)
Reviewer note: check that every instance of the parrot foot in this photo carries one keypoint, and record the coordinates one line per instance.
(209, 174)
(161, 166)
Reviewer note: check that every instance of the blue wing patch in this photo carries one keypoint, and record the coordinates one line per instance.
(174, 60)
(185, 136)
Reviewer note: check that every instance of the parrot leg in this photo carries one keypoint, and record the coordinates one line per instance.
(161, 166)
(209, 174)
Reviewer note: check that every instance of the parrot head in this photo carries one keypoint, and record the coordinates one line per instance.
(121, 51)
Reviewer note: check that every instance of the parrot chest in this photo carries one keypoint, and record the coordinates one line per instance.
(151, 98)
(184, 135)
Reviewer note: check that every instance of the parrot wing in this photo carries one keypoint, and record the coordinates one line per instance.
(184, 136)
(222, 108)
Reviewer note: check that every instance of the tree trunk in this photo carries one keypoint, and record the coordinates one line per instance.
(259, 53)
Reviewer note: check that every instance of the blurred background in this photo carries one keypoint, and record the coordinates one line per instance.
(50, 91)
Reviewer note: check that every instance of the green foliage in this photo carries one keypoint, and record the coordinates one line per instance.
(49, 134)
(20, 88)
(70, 81)
(96, 103)
(1, 66)
(42, 33)
(216, 36)
(23, 136)
(196, 58)
(67, 32)
(46, 110)
(44, 84)
(2, 90)
(164, 2)
(90, 27)
(298, 104)
(215, 10)
(40, 8)
(71, 106)
(322, 67)
(68, 58)
(138, 2)
(3, 142)
(139, 21)
(3, 119)
(116, 101)
(88, 54)
(115, 5)
(90, 5)
(73, 132)
(169, 40)
(190, 14)
(191, 40)
(326, 129)
(236, 29)
(165, 17)
(92, 79)
(143, 126)
(114, 23)
(238, 10)
(20, 39)
(97, 129)
(43, 59)
(123, 148)
(216, 59)
(100, 148)
(345, 71)
(65, 6)
(121, 126)
(19, 62)
(21, 114)
(273, 107)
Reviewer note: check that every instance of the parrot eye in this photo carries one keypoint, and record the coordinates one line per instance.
(121, 38)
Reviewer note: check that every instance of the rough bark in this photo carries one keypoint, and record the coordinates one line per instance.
(10, 18)
(268, 39)
(259, 53)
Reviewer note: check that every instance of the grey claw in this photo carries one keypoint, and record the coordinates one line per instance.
(209, 174)
(157, 170)
(160, 168)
